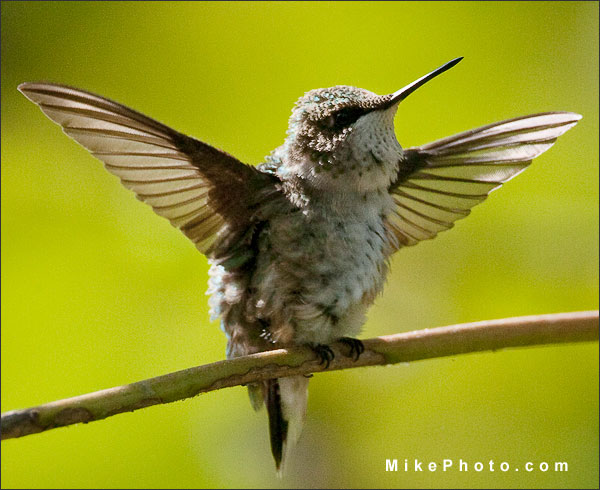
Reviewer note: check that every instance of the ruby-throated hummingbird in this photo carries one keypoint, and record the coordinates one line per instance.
(299, 246)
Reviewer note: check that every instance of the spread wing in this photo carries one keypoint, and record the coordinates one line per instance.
(440, 182)
(206, 193)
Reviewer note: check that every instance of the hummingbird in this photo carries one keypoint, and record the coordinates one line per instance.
(299, 246)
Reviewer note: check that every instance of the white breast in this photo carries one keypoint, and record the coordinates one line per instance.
(320, 269)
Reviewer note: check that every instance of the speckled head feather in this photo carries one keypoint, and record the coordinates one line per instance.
(317, 105)
(326, 138)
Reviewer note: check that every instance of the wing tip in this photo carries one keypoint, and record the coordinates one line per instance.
(28, 89)
(31, 86)
(24, 88)
(566, 117)
(573, 117)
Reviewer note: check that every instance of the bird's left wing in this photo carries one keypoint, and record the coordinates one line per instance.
(440, 182)
(206, 193)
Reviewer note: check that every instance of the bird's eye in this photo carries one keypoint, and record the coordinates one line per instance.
(343, 118)
(329, 122)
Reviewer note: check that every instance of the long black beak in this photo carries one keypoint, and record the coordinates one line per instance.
(410, 88)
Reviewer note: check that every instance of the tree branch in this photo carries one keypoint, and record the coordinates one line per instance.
(391, 349)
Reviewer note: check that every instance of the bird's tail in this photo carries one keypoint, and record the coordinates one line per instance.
(286, 400)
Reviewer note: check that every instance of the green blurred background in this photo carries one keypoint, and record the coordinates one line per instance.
(97, 291)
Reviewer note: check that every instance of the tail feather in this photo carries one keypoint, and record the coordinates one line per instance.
(278, 426)
(256, 392)
(286, 400)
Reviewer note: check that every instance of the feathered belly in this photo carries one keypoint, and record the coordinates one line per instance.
(314, 283)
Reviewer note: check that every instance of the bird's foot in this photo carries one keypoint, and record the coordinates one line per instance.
(324, 353)
(356, 347)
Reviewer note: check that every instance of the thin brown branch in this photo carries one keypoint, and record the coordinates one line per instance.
(391, 349)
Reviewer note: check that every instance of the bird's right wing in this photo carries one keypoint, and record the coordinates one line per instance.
(440, 182)
(208, 194)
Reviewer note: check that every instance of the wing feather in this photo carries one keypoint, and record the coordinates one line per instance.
(440, 182)
(205, 192)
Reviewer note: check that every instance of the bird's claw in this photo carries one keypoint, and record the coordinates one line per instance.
(324, 353)
(356, 347)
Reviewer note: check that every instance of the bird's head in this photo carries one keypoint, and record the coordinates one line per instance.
(344, 136)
